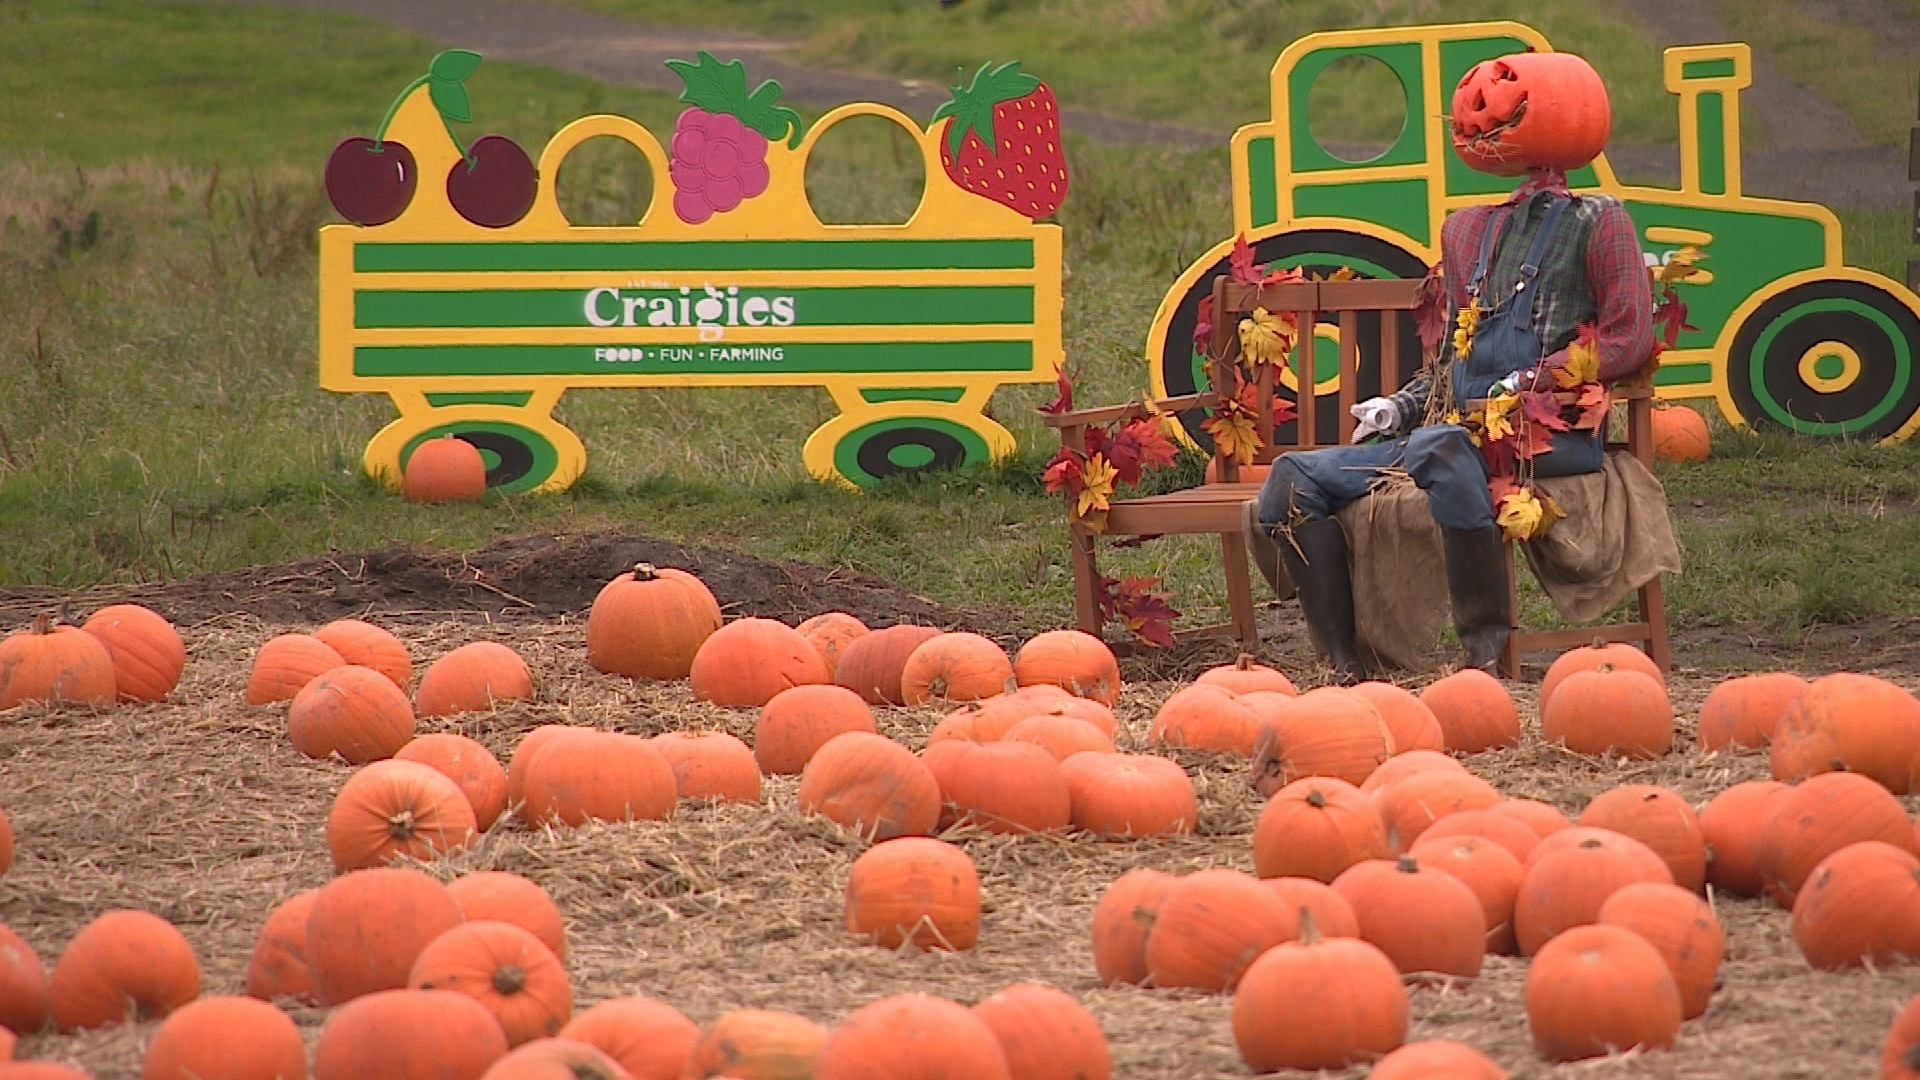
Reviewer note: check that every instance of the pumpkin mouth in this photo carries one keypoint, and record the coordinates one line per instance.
(1493, 135)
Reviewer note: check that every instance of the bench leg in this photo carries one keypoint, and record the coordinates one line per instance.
(1510, 657)
(1653, 612)
(1086, 579)
(1233, 552)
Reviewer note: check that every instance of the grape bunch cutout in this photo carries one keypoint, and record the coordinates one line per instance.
(1002, 140)
(719, 150)
(371, 181)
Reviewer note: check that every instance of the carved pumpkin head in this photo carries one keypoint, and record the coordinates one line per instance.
(1526, 111)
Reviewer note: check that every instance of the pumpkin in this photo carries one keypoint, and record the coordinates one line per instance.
(1618, 655)
(1565, 886)
(1642, 857)
(1060, 735)
(476, 677)
(1204, 716)
(226, 1038)
(1544, 819)
(1412, 725)
(1245, 676)
(277, 968)
(1488, 870)
(146, 650)
(124, 965)
(1318, 1003)
(48, 663)
(370, 646)
(1071, 659)
(746, 662)
(40, 1070)
(1744, 711)
(1002, 787)
(522, 761)
(351, 711)
(1679, 433)
(367, 927)
(26, 1001)
(1475, 712)
(286, 664)
(408, 1035)
(1122, 919)
(798, 721)
(1659, 818)
(831, 634)
(588, 775)
(1436, 1059)
(958, 666)
(914, 890)
(756, 1044)
(504, 968)
(1731, 826)
(1406, 764)
(1415, 801)
(505, 897)
(1212, 924)
(871, 784)
(1598, 990)
(555, 1059)
(1489, 824)
(914, 1036)
(1900, 1052)
(872, 665)
(395, 809)
(1324, 732)
(1130, 794)
(472, 768)
(1610, 710)
(710, 765)
(650, 622)
(1046, 1034)
(444, 469)
(1817, 817)
(1427, 922)
(1330, 912)
(1855, 723)
(989, 719)
(1531, 110)
(1682, 927)
(1079, 708)
(1317, 828)
(650, 1039)
(1860, 905)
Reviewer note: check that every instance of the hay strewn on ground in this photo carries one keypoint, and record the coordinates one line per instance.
(200, 811)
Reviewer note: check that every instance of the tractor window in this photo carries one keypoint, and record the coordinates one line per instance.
(1356, 108)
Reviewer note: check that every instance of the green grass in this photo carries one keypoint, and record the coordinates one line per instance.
(1848, 63)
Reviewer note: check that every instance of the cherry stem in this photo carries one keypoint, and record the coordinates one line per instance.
(379, 136)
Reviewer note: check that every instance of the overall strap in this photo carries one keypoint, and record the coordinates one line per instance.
(1489, 240)
(1530, 269)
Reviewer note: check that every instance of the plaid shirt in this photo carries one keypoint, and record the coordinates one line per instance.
(1600, 250)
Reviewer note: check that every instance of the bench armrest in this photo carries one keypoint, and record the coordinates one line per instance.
(1132, 410)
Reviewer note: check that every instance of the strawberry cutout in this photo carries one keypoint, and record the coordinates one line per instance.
(1002, 140)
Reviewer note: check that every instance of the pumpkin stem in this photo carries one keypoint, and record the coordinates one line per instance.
(509, 978)
(1599, 642)
(1406, 864)
(43, 622)
(1317, 799)
(644, 572)
(1011, 686)
(401, 825)
(1309, 930)
(1244, 662)
(1912, 1056)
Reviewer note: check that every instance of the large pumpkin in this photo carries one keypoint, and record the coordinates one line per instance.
(710, 765)
(1730, 824)
(1851, 722)
(755, 1044)
(1071, 659)
(351, 711)
(1565, 887)
(475, 677)
(367, 927)
(148, 655)
(507, 897)
(1488, 870)
(1427, 922)
(871, 784)
(124, 965)
(286, 664)
(589, 775)
(408, 1035)
(1325, 732)
(1685, 930)
(1861, 905)
(228, 1038)
(1003, 787)
(650, 1039)
(395, 809)
(1046, 1034)
(799, 720)
(506, 969)
(1317, 828)
(1205, 716)
(1610, 710)
(1598, 990)
(1475, 712)
(1817, 817)
(1121, 922)
(650, 622)
(1745, 710)
(25, 999)
(1212, 924)
(1130, 794)
(914, 890)
(1659, 818)
(912, 1035)
(746, 662)
(1618, 655)
(45, 662)
(1533, 110)
(1318, 1004)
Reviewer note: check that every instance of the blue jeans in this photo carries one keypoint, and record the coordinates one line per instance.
(1441, 459)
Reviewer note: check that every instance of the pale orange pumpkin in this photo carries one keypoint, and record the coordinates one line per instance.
(1811, 820)
(1059, 735)
(1564, 886)
(1857, 723)
(870, 784)
(1412, 724)
(1212, 924)
(506, 897)
(914, 890)
(1247, 676)
(650, 622)
(471, 766)
(957, 666)
(1744, 711)
(1475, 712)
(232, 1038)
(1130, 794)
(1598, 990)
(1616, 654)
(445, 469)
(1206, 716)
(1610, 710)
(1046, 1034)
(124, 965)
(476, 677)
(1071, 659)
(1861, 905)
(1316, 901)
(48, 662)
(1730, 825)
(710, 765)
(1490, 871)
(1323, 732)
(1122, 919)
(1317, 827)
(148, 655)
(395, 809)
(914, 1035)
(361, 642)
(408, 1035)
(367, 927)
(831, 635)
(1003, 787)
(588, 775)
(1685, 930)
(287, 663)
(1507, 830)
(1436, 1059)
(351, 711)
(1659, 818)
(796, 722)
(650, 1039)
(1429, 923)
(746, 662)
(1416, 800)
(755, 1044)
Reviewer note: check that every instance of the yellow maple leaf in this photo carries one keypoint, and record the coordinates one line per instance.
(1345, 273)
(1465, 322)
(1496, 423)
(1582, 366)
(1234, 435)
(1679, 266)
(1519, 515)
(1266, 338)
(1550, 512)
(1098, 475)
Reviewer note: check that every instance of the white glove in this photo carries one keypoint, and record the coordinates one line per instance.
(1376, 415)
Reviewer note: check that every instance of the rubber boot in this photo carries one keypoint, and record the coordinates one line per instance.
(1314, 553)
(1482, 593)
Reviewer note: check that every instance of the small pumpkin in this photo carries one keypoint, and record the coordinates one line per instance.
(746, 662)
(1316, 900)
(1428, 922)
(363, 643)
(408, 1035)
(831, 634)
(796, 722)
(589, 775)
(1415, 801)
(1122, 919)
(1610, 710)
(1744, 711)
(124, 965)
(1130, 795)
(1508, 831)
(872, 665)
(1046, 1034)
(648, 1038)
(1412, 725)
(1074, 660)
(1246, 675)
(1212, 924)
(1531, 110)
(395, 809)
(1731, 826)
(476, 677)
(1861, 905)
(48, 662)
(471, 767)
(1475, 712)
(522, 761)
(1205, 716)
(1679, 433)
(1900, 1051)
(650, 622)
(1318, 1003)
(871, 784)
(1544, 819)
(1597, 990)
(914, 890)
(503, 967)
(1407, 763)
(367, 927)
(1851, 722)
(148, 655)
(354, 712)
(1003, 787)
(229, 1038)
(1617, 655)
(989, 719)
(756, 1044)
(507, 897)
(1317, 827)
(277, 967)
(286, 664)
(555, 1059)
(1659, 818)
(957, 666)
(1682, 927)
(912, 1035)
(1566, 886)
(444, 469)
(710, 765)
(1488, 870)
(1060, 735)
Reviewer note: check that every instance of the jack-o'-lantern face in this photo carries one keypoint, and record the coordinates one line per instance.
(1526, 111)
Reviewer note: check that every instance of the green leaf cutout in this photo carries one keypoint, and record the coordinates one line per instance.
(971, 107)
(454, 65)
(722, 88)
(451, 99)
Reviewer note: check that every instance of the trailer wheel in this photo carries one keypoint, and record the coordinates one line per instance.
(523, 451)
(1830, 357)
(909, 438)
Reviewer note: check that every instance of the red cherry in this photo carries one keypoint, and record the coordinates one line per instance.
(495, 185)
(370, 182)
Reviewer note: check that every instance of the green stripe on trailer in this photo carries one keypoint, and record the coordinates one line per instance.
(666, 256)
(1687, 374)
(876, 305)
(1722, 68)
(947, 394)
(515, 399)
(811, 358)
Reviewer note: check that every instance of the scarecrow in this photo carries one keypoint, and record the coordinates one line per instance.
(1548, 298)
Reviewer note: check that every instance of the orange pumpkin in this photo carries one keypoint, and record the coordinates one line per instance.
(1730, 825)
(871, 784)
(522, 761)
(1565, 886)
(1640, 855)
(1817, 817)
(1861, 905)
(1598, 990)
(505, 897)
(710, 765)
(1414, 802)
(1330, 913)
(958, 666)
(475, 677)
(1318, 1003)
(914, 890)
(370, 646)
(45, 662)
(26, 1001)
(1531, 110)
(989, 719)
(1544, 819)
(1900, 1052)
(1850, 722)
(1475, 712)
(1246, 676)
(1212, 924)
(589, 775)
(503, 967)
(914, 1035)
(1405, 764)
(1121, 921)
(1003, 787)
(286, 664)
(872, 665)
(1679, 433)
(1412, 725)
(445, 469)
(1508, 831)
(367, 927)
(831, 634)
(798, 721)
(1046, 1034)
(147, 653)
(1206, 716)
(277, 967)
(756, 1044)
(1744, 711)
(408, 1035)
(231, 1038)
(555, 1059)
(1659, 818)
(1130, 795)
(650, 1039)
(354, 712)
(1488, 870)
(650, 622)
(395, 809)
(1616, 654)
(471, 767)
(124, 965)
(1071, 659)
(1436, 1059)
(746, 662)
(1324, 732)
(1317, 828)
(1060, 735)
(1428, 923)
(1682, 927)
(1609, 710)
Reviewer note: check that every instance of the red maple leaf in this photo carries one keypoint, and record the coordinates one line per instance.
(1500, 486)
(1203, 326)
(1241, 265)
(1123, 452)
(1065, 470)
(1530, 442)
(1283, 410)
(1145, 610)
(1671, 317)
(1542, 408)
(1430, 313)
(1499, 456)
(1594, 405)
(1156, 450)
(1063, 403)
